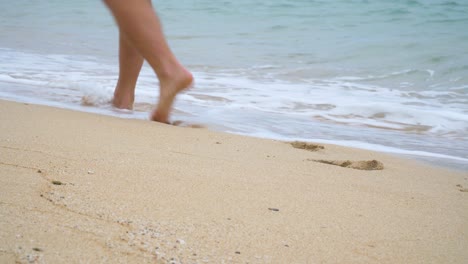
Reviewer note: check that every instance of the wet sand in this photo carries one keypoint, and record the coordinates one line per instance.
(84, 188)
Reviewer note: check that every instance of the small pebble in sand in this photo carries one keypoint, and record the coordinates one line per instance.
(32, 258)
(90, 172)
(180, 241)
(37, 249)
(57, 182)
(238, 252)
(39, 171)
(273, 209)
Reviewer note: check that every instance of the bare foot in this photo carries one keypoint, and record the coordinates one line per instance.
(121, 105)
(123, 100)
(169, 88)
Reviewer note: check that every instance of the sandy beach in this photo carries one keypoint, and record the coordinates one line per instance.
(85, 188)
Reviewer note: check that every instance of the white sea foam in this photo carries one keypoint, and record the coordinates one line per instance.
(257, 104)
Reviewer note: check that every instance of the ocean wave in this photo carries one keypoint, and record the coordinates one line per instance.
(259, 96)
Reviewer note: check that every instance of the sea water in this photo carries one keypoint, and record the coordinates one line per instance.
(383, 75)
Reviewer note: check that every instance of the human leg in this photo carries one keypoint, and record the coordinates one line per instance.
(130, 63)
(140, 24)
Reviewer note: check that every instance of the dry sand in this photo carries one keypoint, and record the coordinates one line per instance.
(84, 188)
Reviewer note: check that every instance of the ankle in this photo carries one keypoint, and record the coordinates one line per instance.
(169, 70)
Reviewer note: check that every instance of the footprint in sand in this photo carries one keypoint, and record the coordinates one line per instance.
(306, 146)
(359, 165)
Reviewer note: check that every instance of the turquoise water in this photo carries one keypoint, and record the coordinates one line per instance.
(385, 75)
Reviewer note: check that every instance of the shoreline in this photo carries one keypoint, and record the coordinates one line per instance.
(84, 187)
(420, 155)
